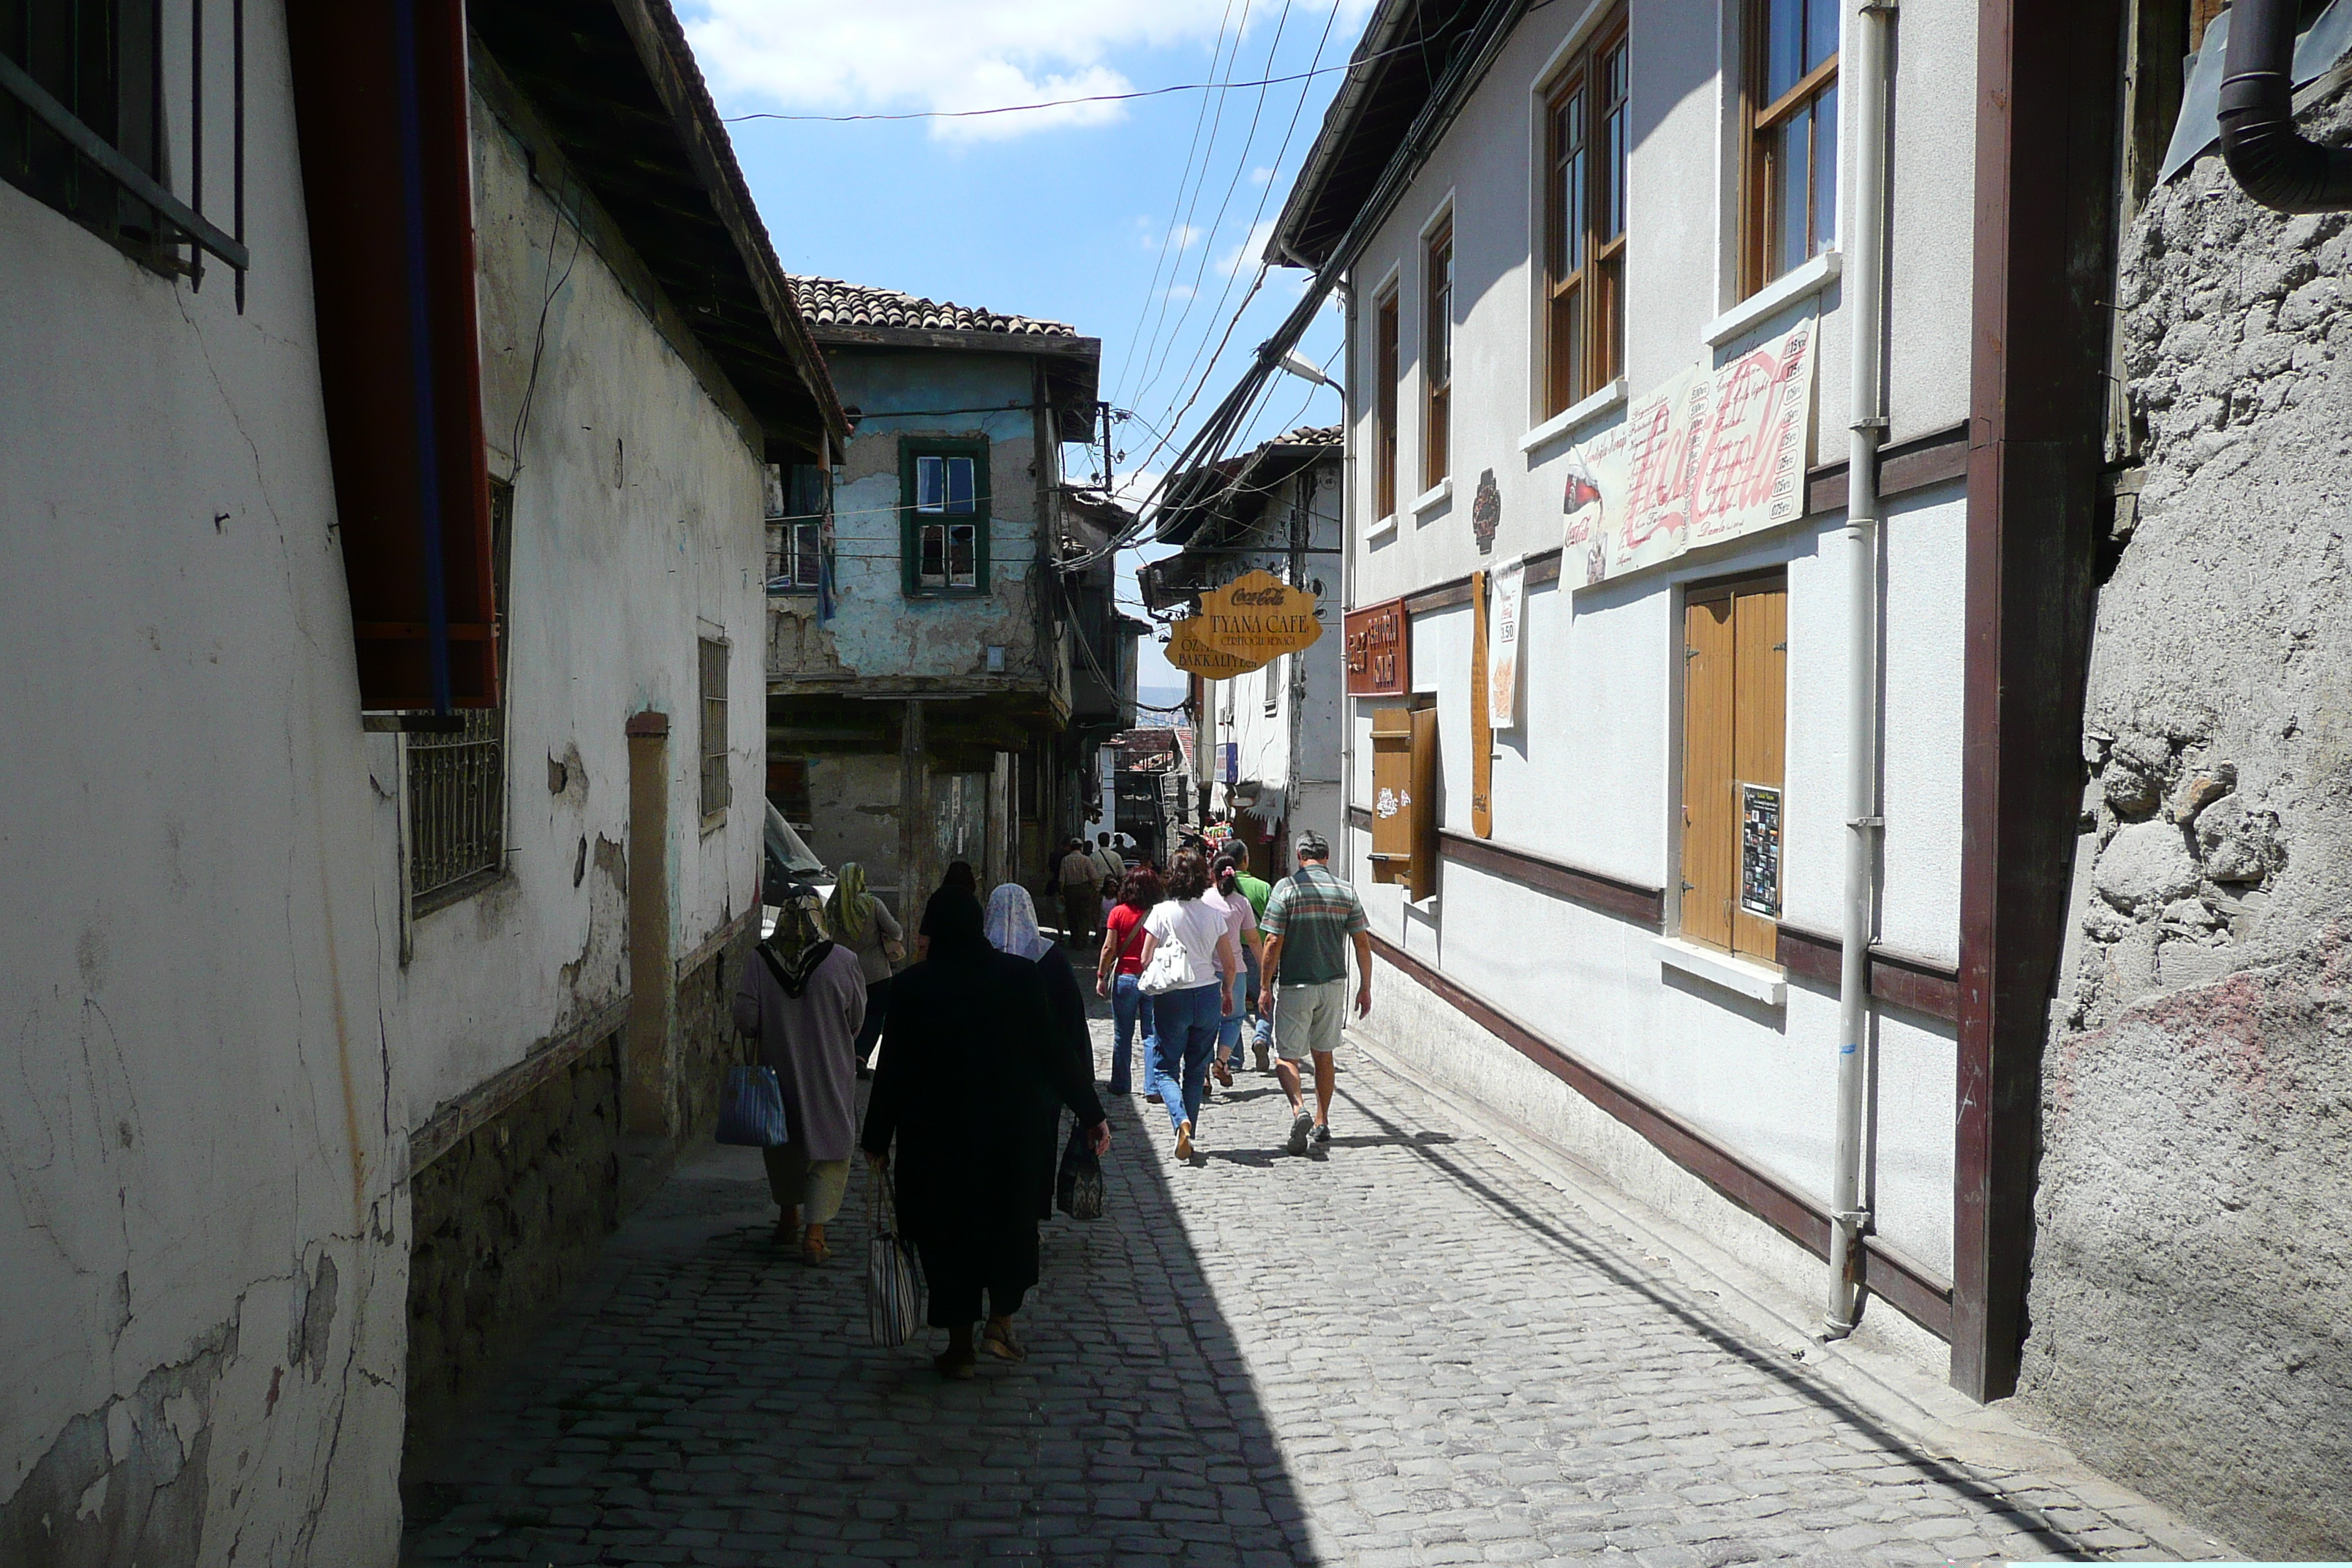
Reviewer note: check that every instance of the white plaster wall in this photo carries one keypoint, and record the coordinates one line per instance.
(1680, 271)
(1591, 776)
(194, 895)
(638, 529)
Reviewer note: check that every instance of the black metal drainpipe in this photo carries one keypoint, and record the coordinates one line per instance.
(2272, 161)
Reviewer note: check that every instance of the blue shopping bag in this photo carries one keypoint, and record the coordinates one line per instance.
(751, 1111)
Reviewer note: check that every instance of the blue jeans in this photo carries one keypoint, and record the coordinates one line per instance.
(1129, 1008)
(1261, 1025)
(1188, 1021)
(1229, 1021)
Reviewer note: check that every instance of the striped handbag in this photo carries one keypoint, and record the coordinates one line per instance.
(894, 1282)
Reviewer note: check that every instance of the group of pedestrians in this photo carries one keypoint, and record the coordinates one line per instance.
(984, 1044)
(1188, 965)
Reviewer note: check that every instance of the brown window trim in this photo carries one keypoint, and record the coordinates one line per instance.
(1436, 352)
(1591, 297)
(1758, 122)
(1388, 354)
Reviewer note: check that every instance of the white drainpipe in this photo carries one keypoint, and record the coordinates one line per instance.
(1864, 284)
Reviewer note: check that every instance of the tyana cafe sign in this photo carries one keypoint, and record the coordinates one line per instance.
(1258, 617)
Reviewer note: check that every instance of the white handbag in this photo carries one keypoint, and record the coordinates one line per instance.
(1170, 969)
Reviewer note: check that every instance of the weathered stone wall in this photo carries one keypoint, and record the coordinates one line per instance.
(2192, 1299)
(505, 1224)
(708, 1044)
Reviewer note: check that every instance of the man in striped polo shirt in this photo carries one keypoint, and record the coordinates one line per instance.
(1308, 924)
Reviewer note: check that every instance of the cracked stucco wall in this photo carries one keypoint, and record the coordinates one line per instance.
(638, 527)
(2192, 1299)
(200, 1254)
(878, 633)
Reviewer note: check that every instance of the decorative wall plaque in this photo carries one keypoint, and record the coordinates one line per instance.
(1487, 511)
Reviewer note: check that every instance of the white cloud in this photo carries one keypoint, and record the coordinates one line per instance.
(1260, 175)
(898, 55)
(1177, 291)
(1179, 237)
(1242, 258)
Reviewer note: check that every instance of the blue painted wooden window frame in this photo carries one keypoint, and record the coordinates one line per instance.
(912, 522)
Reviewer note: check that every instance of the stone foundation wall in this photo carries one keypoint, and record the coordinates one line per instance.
(2192, 1276)
(505, 1224)
(708, 1044)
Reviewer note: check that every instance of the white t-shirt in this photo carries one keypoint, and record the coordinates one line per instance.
(1197, 924)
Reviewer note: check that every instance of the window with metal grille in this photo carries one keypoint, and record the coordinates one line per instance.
(717, 789)
(800, 527)
(94, 96)
(1586, 142)
(454, 770)
(1791, 106)
(1437, 356)
(944, 501)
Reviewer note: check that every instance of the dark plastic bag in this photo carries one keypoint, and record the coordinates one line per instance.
(1079, 1190)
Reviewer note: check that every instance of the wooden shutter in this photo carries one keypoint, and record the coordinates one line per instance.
(1735, 721)
(1391, 794)
(381, 102)
(1710, 829)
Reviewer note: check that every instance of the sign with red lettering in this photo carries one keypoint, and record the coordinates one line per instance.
(1380, 650)
(1707, 458)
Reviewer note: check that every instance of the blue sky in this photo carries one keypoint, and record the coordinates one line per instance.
(1138, 223)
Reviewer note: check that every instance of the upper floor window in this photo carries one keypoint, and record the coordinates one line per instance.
(1791, 107)
(943, 502)
(717, 787)
(799, 541)
(454, 768)
(1437, 354)
(86, 89)
(1385, 407)
(1585, 144)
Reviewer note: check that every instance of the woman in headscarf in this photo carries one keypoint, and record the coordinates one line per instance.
(804, 997)
(960, 879)
(1011, 926)
(864, 924)
(969, 1046)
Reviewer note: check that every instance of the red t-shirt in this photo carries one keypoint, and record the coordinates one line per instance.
(1125, 929)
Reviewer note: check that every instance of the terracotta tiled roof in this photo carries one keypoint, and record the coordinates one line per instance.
(830, 302)
(1311, 435)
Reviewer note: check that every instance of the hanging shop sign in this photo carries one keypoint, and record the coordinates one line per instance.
(1258, 616)
(1504, 642)
(1709, 458)
(1188, 652)
(1379, 649)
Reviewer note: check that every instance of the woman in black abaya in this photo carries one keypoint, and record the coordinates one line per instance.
(970, 1046)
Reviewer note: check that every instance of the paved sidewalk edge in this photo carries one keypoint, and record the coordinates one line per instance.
(1983, 1439)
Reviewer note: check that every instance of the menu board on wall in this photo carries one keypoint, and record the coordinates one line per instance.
(1379, 639)
(1759, 850)
(1707, 458)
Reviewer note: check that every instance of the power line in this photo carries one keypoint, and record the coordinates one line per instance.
(1066, 102)
(1217, 223)
(1135, 333)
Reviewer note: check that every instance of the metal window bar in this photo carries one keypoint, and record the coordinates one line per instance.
(88, 126)
(457, 805)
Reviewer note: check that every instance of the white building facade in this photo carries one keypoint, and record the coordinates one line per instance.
(1629, 938)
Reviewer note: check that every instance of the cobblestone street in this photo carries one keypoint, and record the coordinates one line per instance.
(1410, 1349)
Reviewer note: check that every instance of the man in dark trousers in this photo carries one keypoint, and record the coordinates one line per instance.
(1081, 881)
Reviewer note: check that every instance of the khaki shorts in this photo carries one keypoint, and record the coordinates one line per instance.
(1307, 1019)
